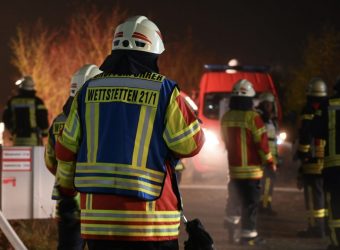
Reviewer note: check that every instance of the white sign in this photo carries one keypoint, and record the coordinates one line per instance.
(32, 189)
(16, 159)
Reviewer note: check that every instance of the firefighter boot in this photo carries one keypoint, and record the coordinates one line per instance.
(233, 235)
(233, 232)
(267, 211)
(255, 241)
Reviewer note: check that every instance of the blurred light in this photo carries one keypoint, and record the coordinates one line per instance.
(281, 138)
(233, 62)
(210, 138)
(231, 71)
(191, 103)
(18, 82)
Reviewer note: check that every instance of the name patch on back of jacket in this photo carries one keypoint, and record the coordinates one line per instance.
(122, 94)
(146, 76)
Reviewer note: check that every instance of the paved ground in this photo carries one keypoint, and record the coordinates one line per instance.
(207, 204)
(205, 199)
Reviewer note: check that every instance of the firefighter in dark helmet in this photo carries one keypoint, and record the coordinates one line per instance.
(25, 115)
(328, 128)
(311, 153)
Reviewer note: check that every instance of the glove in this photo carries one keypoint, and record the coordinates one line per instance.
(274, 167)
(68, 210)
(271, 166)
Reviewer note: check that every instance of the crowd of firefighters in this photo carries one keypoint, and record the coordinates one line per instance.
(114, 153)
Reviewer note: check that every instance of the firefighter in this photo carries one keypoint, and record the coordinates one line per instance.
(310, 152)
(328, 129)
(25, 115)
(246, 141)
(124, 127)
(266, 108)
(68, 216)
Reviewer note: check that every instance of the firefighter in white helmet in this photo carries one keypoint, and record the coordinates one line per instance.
(124, 128)
(311, 153)
(67, 208)
(246, 141)
(267, 110)
(25, 115)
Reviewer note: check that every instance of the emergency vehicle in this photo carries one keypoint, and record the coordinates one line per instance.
(214, 95)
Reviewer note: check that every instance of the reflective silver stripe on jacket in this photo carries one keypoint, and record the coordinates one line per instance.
(126, 82)
(127, 230)
(140, 216)
(189, 131)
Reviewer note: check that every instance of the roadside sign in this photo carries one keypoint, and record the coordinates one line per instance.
(16, 159)
(26, 184)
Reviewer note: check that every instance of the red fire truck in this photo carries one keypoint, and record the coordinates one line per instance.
(215, 90)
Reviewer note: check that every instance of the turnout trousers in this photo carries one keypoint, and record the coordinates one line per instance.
(315, 202)
(242, 204)
(268, 181)
(332, 187)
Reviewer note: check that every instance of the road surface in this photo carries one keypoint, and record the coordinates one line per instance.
(204, 198)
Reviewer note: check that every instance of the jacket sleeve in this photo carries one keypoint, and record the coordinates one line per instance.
(224, 130)
(183, 134)
(261, 140)
(305, 131)
(66, 151)
(49, 155)
(320, 130)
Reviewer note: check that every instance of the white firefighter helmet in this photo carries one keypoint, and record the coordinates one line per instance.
(317, 87)
(266, 97)
(82, 75)
(138, 33)
(243, 87)
(26, 83)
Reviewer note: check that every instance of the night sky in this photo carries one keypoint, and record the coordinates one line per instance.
(256, 32)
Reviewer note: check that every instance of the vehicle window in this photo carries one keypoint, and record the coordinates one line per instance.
(216, 104)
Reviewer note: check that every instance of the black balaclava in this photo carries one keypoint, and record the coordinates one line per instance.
(241, 103)
(130, 62)
(26, 93)
(316, 101)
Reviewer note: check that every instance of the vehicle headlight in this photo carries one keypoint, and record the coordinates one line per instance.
(281, 138)
(211, 138)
